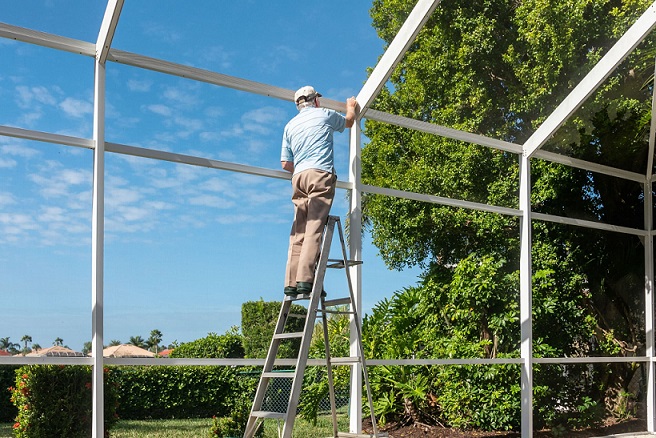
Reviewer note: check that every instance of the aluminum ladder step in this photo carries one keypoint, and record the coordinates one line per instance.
(339, 263)
(268, 414)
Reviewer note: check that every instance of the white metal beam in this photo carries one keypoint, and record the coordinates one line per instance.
(650, 302)
(355, 272)
(47, 40)
(442, 131)
(649, 305)
(97, 252)
(593, 79)
(395, 51)
(107, 29)
(526, 298)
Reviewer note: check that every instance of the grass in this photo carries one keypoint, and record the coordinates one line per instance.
(199, 428)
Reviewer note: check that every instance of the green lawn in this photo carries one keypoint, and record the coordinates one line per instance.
(199, 428)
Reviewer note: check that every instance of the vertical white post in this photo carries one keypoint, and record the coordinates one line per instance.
(355, 249)
(649, 271)
(97, 249)
(525, 297)
(105, 36)
(649, 303)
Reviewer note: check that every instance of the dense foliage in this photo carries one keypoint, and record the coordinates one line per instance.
(258, 322)
(56, 400)
(152, 392)
(229, 344)
(498, 68)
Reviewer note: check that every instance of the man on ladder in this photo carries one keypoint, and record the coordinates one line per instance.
(307, 152)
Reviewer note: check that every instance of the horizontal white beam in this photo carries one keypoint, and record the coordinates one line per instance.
(279, 174)
(23, 360)
(27, 134)
(440, 200)
(588, 224)
(47, 40)
(587, 165)
(624, 46)
(199, 74)
(442, 131)
(204, 162)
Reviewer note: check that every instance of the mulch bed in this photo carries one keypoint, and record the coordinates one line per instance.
(397, 431)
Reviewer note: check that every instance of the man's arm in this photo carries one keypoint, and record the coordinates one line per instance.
(351, 107)
(288, 166)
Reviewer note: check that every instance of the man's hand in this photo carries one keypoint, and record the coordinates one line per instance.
(288, 166)
(351, 109)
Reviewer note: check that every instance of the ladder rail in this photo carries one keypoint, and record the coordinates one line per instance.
(301, 363)
(315, 297)
(356, 318)
(260, 393)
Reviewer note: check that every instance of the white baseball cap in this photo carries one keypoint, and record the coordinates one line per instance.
(305, 93)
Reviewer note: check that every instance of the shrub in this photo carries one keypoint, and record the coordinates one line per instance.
(56, 400)
(154, 392)
(213, 346)
(258, 321)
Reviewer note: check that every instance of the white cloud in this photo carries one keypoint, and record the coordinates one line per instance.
(189, 124)
(18, 150)
(27, 96)
(116, 197)
(162, 110)
(211, 201)
(180, 97)
(262, 120)
(6, 163)
(76, 107)
(57, 182)
(7, 199)
(140, 86)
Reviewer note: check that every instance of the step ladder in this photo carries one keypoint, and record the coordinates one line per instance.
(318, 305)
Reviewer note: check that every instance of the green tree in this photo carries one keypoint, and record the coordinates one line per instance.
(59, 342)
(25, 339)
(7, 345)
(498, 68)
(154, 340)
(137, 341)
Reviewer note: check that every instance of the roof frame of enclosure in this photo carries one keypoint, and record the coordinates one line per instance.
(102, 52)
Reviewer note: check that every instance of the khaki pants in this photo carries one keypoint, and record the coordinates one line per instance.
(313, 193)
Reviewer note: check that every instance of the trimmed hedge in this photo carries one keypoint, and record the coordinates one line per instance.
(155, 392)
(56, 401)
(258, 321)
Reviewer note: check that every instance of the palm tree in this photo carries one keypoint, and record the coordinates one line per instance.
(25, 339)
(36, 347)
(138, 341)
(114, 342)
(154, 340)
(58, 342)
(7, 345)
(87, 347)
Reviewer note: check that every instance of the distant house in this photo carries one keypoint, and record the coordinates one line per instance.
(127, 350)
(55, 351)
(4, 353)
(165, 353)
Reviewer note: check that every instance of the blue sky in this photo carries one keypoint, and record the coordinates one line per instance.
(184, 246)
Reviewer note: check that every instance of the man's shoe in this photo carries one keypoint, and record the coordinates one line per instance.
(303, 287)
(291, 291)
